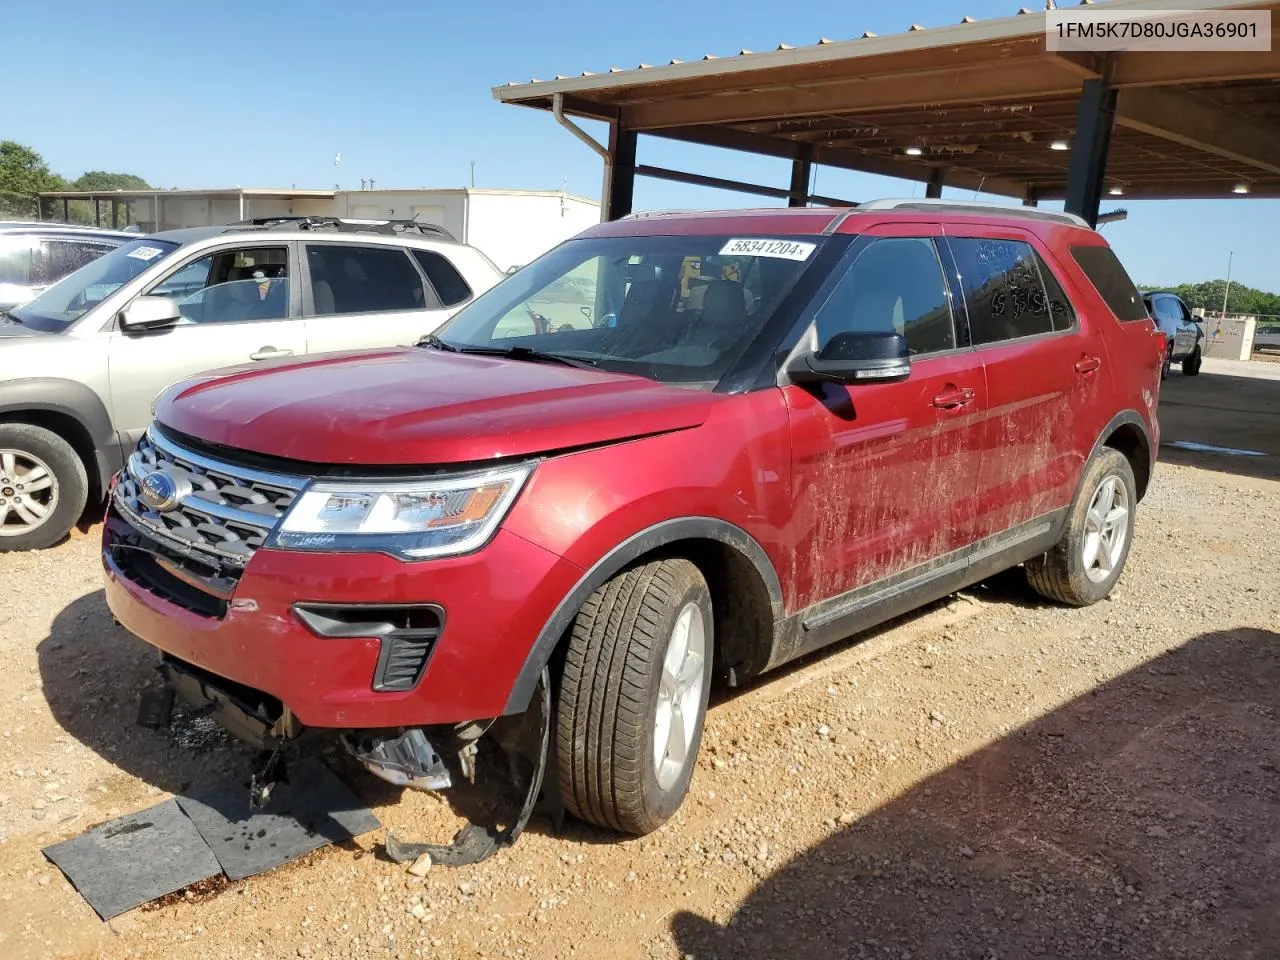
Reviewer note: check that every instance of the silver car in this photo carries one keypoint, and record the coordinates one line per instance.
(81, 364)
(35, 255)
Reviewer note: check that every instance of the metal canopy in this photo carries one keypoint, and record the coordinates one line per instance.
(979, 106)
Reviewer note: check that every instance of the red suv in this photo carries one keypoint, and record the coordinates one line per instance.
(675, 448)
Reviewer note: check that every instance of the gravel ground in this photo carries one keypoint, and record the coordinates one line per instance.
(990, 778)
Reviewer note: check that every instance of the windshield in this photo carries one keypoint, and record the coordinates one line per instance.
(678, 309)
(77, 293)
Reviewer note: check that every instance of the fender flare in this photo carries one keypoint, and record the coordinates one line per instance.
(622, 555)
(1123, 418)
(68, 398)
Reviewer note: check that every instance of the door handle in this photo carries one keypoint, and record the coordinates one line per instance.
(268, 353)
(953, 397)
(1088, 364)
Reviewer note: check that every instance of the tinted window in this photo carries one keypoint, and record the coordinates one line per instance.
(1004, 289)
(54, 259)
(447, 281)
(1167, 309)
(894, 284)
(352, 279)
(1109, 278)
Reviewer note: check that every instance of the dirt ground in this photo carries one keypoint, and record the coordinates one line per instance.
(993, 777)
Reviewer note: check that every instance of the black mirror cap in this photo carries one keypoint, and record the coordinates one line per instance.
(862, 357)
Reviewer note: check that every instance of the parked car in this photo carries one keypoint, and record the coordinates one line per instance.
(781, 428)
(35, 255)
(1266, 337)
(83, 362)
(1182, 334)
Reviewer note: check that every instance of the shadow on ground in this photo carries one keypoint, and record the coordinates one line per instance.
(1140, 820)
(1219, 410)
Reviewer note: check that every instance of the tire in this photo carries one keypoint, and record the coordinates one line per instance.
(1061, 574)
(63, 487)
(1168, 362)
(1191, 365)
(609, 700)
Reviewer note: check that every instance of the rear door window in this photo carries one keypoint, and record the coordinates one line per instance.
(1004, 284)
(348, 278)
(1104, 270)
(55, 259)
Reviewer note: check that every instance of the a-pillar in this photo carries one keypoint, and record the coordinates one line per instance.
(1095, 117)
(620, 174)
(801, 173)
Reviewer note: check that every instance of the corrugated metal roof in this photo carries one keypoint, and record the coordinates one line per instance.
(1025, 23)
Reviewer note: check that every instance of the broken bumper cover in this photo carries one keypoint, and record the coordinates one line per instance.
(493, 604)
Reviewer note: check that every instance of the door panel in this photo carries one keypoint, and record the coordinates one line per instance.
(884, 473)
(238, 305)
(143, 365)
(1047, 377)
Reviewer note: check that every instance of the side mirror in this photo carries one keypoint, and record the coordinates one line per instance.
(149, 313)
(864, 357)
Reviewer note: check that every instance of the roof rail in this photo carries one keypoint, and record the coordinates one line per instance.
(343, 225)
(974, 206)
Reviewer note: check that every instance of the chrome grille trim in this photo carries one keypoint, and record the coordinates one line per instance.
(227, 513)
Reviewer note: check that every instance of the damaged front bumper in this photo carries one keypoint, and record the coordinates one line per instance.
(413, 757)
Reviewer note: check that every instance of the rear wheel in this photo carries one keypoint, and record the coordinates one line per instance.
(1191, 365)
(1083, 567)
(633, 696)
(43, 487)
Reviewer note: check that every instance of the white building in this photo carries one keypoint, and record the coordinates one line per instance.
(511, 227)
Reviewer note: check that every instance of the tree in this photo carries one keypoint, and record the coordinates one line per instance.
(23, 177)
(1240, 299)
(101, 180)
(81, 211)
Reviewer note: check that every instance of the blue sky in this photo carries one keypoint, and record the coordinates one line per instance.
(266, 94)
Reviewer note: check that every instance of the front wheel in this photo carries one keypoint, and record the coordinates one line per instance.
(43, 487)
(1191, 365)
(633, 696)
(1083, 567)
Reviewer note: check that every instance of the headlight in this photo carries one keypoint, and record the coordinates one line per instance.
(409, 519)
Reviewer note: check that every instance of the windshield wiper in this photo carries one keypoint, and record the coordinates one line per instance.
(9, 316)
(528, 353)
(431, 340)
(508, 353)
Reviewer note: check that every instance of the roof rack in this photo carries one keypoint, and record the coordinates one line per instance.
(344, 225)
(973, 206)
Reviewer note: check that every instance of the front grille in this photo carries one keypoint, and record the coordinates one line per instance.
(223, 511)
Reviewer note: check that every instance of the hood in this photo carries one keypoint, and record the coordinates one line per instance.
(9, 330)
(412, 406)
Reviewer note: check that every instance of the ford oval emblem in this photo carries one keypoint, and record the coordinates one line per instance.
(159, 491)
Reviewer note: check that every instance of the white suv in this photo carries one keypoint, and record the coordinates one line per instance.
(81, 363)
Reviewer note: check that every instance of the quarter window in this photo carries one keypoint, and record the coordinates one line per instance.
(894, 284)
(1108, 276)
(444, 277)
(355, 279)
(1004, 287)
(15, 259)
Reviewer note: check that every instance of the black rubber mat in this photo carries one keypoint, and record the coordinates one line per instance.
(135, 859)
(314, 809)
